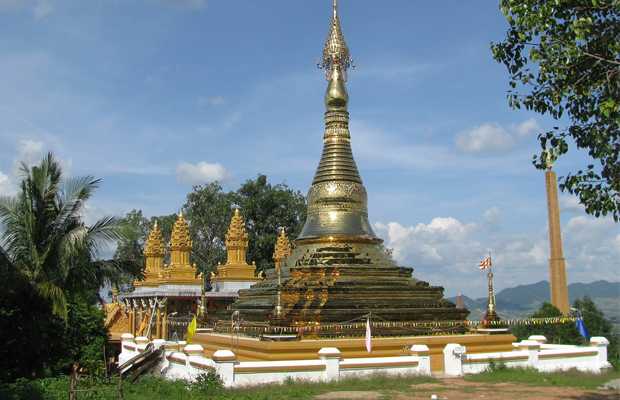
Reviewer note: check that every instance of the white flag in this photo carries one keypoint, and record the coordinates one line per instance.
(368, 335)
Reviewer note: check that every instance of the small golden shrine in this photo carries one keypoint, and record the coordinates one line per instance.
(170, 295)
(154, 253)
(179, 271)
(236, 267)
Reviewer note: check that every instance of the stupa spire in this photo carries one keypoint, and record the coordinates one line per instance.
(336, 51)
(337, 200)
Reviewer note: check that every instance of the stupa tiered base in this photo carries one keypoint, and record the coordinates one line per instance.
(328, 285)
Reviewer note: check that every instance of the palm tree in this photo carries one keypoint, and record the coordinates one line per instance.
(46, 244)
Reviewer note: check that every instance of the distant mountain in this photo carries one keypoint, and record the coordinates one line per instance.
(525, 299)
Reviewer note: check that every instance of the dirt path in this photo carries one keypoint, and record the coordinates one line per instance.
(459, 389)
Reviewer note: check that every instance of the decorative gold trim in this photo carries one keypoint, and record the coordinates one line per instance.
(486, 360)
(584, 354)
(380, 365)
(243, 369)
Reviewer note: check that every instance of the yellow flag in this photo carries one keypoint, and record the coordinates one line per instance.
(191, 329)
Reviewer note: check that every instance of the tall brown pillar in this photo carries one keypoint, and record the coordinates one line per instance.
(557, 264)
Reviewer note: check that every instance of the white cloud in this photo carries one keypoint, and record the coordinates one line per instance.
(444, 240)
(526, 128)
(571, 204)
(492, 219)
(30, 151)
(42, 9)
(202, 172)
(446, 252)
(492, 137)
(7, 188)
(591, 249)
(487, 137)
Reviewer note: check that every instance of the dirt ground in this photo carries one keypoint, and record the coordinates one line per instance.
(459, 389)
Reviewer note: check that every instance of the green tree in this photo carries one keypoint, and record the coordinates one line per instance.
(45, 242)
(561, 333)
(31, 336)
(564, 60)
(48, 257)
(208, 210)
(85, 337)
(36, 343)
(266, 209)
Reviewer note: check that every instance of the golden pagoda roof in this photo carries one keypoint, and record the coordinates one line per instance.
(154, 243)
(236, 235)
(283, 248)
(180, 235)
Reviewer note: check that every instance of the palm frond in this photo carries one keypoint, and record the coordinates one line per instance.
(56, 296)
(71, 199)
(106, 231)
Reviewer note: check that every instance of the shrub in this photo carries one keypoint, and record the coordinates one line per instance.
(206, 383)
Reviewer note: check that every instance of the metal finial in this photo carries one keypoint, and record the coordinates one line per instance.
(336, 51)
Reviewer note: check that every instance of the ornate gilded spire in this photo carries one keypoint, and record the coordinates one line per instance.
(154, 243)
(180, 271)
(491, 314)
(336, 51)
(236, 235)
(236, 267)
(179, 239)
(337, 200)
(154, 252)
(283, 248)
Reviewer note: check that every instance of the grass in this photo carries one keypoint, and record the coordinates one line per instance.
(293, 389)
(530, 376)
(208, 387)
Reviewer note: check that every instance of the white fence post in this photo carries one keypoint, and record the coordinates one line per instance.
(225, 362)
(192, 351)
(601, 344)
(331, 355)
(452, 364)
(424, 358)
(127, 354)
(141, 343)
(532, 347)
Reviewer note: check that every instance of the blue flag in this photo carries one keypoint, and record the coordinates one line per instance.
(582, 327)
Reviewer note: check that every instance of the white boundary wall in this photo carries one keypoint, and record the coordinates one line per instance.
(533, 352)
(182, 361)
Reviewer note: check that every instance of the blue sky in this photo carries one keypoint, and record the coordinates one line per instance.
(154, 96)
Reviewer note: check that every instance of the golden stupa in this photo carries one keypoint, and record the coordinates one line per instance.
(236, 268)
(338, 270)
